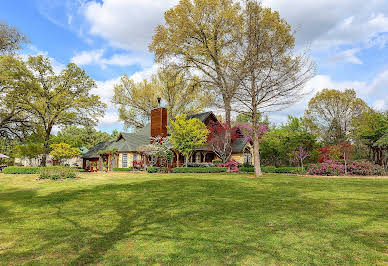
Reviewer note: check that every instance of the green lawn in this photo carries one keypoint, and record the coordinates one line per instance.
(122, 218)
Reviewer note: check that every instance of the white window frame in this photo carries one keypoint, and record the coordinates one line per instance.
(124, 160)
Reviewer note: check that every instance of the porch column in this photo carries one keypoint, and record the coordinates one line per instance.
(99, 162)
(204, 156)
(109, 161)
(117, 160)
(177, 159)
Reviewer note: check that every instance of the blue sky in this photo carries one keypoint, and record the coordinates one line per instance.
(109, 38)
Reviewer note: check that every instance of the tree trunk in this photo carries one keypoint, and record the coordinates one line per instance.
(228, 110)
(256, 156)
(46, 146)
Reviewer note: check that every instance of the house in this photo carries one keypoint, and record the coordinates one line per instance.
(36, 161)
(122, 152)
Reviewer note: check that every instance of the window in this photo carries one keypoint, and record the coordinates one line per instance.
(125, 160)
(247, 156)
(135, 156)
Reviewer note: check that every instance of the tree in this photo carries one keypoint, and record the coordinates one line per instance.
(372, 129)
(182, 94)
(159, 151)
(79, 137)
(274, 74)
(220, 139)
(10, 38)
(300, 154)
(200, 35)
(330, 113)
(187, 135)
(53, 99)
(62, 151)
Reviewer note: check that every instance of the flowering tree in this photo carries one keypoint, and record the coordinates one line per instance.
(220, 139)
(300, 154)
(255, 135)
(158, 151)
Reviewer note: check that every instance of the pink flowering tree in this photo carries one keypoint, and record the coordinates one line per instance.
(300, 155)
(254, 134)
(220, 139)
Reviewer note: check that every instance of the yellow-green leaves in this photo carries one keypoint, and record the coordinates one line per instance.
(63, 151)
(187, 134)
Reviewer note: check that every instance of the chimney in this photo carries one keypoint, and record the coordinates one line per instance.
(159, 122)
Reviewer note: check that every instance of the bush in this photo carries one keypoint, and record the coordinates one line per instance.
(57, 172)
(246, 169)
(271, 169)
(217, 161)
(20, 170)
(332, 168)
(154, 169)
(122, 169)
(201, 165)
(231, 165)
(199, 170)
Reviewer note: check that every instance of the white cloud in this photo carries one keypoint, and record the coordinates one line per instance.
(348, 56)
(96, 57)
(126, 24)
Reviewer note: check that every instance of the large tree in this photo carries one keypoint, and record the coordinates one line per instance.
(52, 99)
(330, 113)
(182, 94)
(80, 137)
(200, 35)
(274, 75)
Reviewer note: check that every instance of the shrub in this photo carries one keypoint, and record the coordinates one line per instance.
(217, 161)
(56, 172)
(199, 170)
(152, 169)
(364, 168)
(246, 169)
(271, 169)
(137, 164)
(122, 169)
(201, 165)
(331, 168)
(247, 165)
(231, 165)
(20, 170)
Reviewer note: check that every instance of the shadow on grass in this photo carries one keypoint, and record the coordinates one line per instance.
(180, 221)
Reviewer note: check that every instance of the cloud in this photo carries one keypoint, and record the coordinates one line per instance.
(126, 24)
(96, 57)
(348, 56)
(374, 93)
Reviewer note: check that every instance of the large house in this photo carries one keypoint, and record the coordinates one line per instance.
(122, 152)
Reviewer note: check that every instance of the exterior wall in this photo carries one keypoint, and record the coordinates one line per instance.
(239, 157)
(130, 159)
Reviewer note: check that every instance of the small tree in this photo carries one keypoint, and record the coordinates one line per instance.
(300, 154)
(220, 139)
(346, 148)
(63, 151)
(187, 135)
(159, 150)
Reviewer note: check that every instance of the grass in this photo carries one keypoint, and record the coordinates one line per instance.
(135, 218)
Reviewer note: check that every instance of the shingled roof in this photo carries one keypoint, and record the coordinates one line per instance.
(93, 152)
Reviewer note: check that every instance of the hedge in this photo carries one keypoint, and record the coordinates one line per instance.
(57, 172)
(123, 169)
(20, 170)
(199, 170)
(280, 170)
(154, 169)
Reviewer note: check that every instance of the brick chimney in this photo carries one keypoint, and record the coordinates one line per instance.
(159, 122)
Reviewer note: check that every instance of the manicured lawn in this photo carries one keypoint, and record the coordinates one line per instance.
(123, 218)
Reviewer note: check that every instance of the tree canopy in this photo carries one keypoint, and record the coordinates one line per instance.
(187, 135)
(48, 98)
(10, 38)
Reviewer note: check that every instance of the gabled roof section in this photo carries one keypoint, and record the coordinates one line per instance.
(203, 116)
(129, 142)
(93, 152)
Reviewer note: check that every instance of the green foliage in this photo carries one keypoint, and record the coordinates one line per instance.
(217, 161)
(187, 135)
(10, 38)
(282, 170)
(331, 112)
(199, 169)
(154, 169)
(48, 98)
(80, 137)
(279, 143)
(56, 172)
(20, 170)
(123, 169)
(63, 151)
